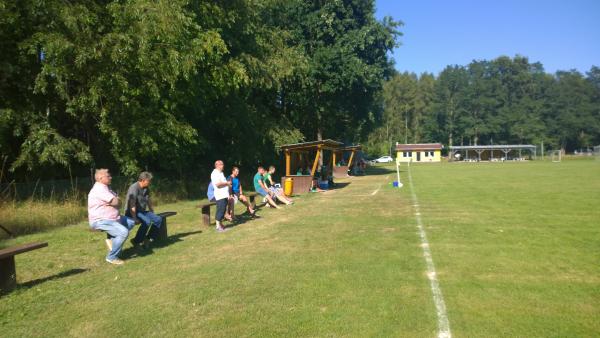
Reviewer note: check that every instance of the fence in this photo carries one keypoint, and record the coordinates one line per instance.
(77, 189)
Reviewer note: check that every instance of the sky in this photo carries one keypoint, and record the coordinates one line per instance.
(561, 34)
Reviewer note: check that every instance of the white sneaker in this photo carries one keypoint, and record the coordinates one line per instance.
(115, 261)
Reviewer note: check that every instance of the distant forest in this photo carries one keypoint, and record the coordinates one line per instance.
(172, 85)
(503, 101)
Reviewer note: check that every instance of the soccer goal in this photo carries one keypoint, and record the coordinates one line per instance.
(597, 153)
(556, 156)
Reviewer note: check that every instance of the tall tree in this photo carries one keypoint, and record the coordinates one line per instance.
(346, 49)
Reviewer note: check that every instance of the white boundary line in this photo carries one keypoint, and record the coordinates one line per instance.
(438, 299)
(376, 190)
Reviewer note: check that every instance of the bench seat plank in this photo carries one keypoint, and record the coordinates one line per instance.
(15, 250)
(8, 271)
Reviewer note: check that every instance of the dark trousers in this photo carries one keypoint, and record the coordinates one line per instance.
(221, 207)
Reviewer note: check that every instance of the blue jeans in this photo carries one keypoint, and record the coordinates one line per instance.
(261, 192)
(147, 218)
(117, 230)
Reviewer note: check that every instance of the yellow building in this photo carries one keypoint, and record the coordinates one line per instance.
(420, 152)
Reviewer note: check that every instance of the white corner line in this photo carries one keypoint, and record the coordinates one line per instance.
(376, 190)
(438, 299)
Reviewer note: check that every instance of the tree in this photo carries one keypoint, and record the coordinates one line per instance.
(346, 50)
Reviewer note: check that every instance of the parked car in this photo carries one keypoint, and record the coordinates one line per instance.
(384, 159)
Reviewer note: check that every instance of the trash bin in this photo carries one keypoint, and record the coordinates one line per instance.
(288, 186)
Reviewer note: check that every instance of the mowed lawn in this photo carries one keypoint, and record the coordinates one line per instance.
(516, 245)
(341, 263)
(516, 248)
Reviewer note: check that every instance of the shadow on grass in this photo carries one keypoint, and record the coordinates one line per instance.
(376, 170)
(245, 217)
(141, 252)
(64, 274)
(341, 185)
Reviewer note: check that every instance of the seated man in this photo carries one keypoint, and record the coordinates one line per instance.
(275, 191)
(236, 193)
(103, 215)
(261, 189)
(139, 207)
(314, 187)
(307, 170)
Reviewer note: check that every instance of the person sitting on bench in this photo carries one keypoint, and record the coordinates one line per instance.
(261, 189)
(236, 193)
(275, 191)
(103, 215)
(139, 207)
(307, 170)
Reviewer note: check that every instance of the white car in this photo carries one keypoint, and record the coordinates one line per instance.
(384, 159)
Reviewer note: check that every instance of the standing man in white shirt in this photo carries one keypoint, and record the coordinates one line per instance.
(221, 186)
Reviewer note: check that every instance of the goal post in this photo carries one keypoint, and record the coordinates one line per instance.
(556, 156)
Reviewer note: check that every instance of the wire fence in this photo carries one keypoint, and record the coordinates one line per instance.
(165, 189)
(76, 189)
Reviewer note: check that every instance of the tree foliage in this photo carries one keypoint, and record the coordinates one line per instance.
(173, 85)
(502, 101)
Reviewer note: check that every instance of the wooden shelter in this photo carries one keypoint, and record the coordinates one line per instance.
(506, 152)
(299, 153)
(340, 171)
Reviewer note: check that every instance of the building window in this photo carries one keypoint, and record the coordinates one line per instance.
(426, 154)
(431, 153)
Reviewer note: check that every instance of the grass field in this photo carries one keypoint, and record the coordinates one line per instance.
(516, 248)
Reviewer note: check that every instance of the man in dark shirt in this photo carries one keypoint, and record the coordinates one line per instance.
(140, 209)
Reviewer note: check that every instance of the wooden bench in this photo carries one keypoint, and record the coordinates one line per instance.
(206, 207)
(8, 273)
(163, 232)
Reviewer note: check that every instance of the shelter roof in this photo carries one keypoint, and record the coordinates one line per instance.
(419, 146)
(494, 147)
(348, 148)
(323, 144)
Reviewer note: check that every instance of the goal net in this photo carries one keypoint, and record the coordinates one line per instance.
(597, 153)
(556, 156)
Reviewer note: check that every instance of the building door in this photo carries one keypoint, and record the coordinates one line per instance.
(418, 156)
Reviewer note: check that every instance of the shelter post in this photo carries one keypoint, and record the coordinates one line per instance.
(350, 160)
(333, 159)
(287, 163)
(316, 162)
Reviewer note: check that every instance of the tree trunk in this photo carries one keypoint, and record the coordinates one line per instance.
(320, 138)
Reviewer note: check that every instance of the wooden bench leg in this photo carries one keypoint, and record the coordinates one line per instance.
(206, 215)
(163, 231)
(8, 274)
